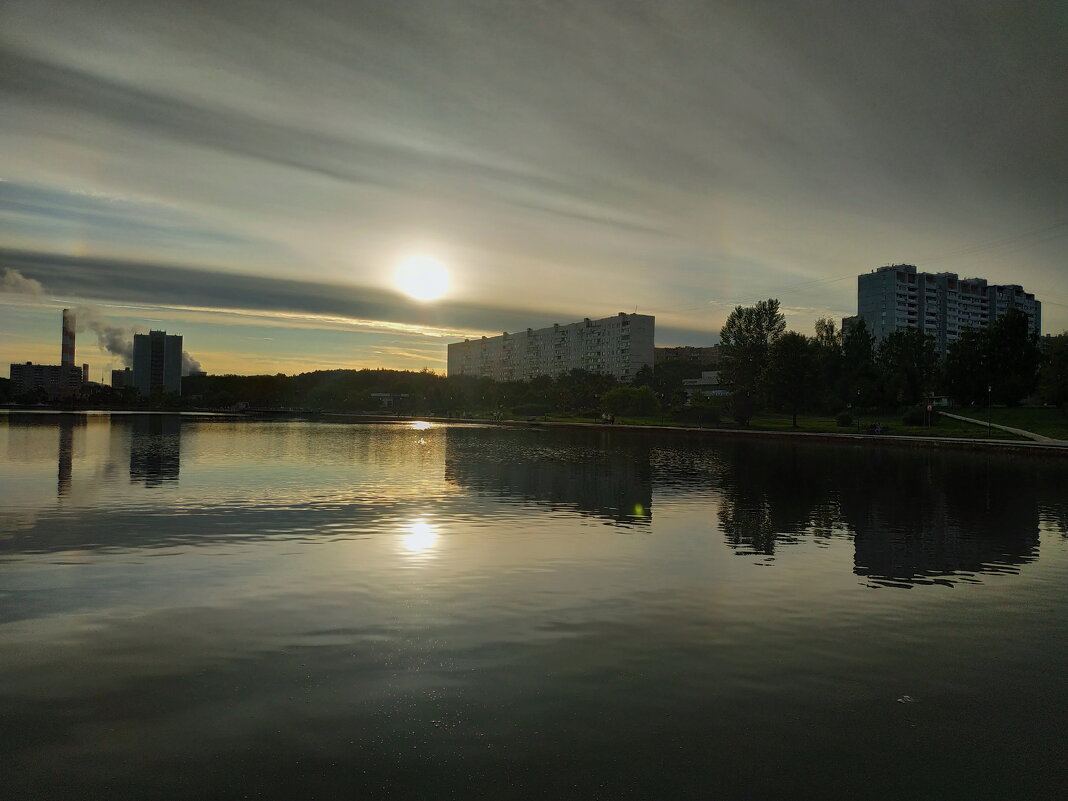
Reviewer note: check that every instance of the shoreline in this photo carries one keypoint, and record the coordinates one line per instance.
(1052, 448)
(1023, 446)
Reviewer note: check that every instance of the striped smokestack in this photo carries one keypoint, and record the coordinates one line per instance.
(67, 353)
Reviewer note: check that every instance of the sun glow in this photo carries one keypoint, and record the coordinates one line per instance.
(422, 278)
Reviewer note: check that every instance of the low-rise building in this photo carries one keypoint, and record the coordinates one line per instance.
(122, 378)
(55, 380)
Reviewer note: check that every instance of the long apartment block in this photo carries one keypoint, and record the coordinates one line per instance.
(617, 346)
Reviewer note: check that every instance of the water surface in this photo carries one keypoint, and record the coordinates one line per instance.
(195, 607)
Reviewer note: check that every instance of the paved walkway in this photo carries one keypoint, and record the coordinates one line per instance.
(1017, 431)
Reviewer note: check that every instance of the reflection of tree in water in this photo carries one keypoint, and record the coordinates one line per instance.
(155, 448)
(1054, 500)
(605, 474)
(773, 497)
(945, 517)
(917, 516)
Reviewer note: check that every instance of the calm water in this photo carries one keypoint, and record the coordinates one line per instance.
(195, 608)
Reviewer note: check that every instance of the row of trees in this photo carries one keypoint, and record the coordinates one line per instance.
(425, 392)
(770, 367)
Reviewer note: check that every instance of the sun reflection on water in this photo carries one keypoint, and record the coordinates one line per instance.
(419, 537)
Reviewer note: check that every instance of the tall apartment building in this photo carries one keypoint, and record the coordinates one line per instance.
(618, 346)
(157, 362)
(897, 297)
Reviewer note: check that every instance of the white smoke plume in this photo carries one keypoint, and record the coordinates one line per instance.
(111, 338)
(189, 364)
(15, 283)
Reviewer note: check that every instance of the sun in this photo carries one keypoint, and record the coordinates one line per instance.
(422, 278)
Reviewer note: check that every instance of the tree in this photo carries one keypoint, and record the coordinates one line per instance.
(966, 366)
(1003, 357)
(1054, 376)
(581, 390)
(746, 338)
(828, 365)
(908, 362)
(1014, 358)
(860, 377)
(792, 371)
(666, 380)
(632, 401)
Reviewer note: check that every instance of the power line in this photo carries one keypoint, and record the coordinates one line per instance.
(1018, 240)
(1001, 242)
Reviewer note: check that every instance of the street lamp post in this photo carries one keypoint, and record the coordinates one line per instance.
(988, 426)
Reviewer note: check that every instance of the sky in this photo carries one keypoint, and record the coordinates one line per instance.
(252, 174)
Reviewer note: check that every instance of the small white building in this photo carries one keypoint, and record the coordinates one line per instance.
(708, 385)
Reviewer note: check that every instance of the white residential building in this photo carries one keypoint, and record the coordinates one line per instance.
(897, 297)
(617, 346)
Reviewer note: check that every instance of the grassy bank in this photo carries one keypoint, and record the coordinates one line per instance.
(1047, 421)
(821, 424)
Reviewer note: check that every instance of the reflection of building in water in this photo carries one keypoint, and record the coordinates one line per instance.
(67, 422)
(916, 516)
(155, 448)
(964, 515)
(603, 474)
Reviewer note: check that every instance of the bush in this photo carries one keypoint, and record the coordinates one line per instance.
(530, 409)
(915, 416)
(631, 401)
(697, 414)
(844, 420)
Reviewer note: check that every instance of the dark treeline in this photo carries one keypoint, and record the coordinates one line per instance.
(577, 393)
(836, 370)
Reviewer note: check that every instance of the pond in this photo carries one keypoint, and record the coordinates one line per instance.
(201, 607)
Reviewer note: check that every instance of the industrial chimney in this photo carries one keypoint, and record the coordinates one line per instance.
(67, 353)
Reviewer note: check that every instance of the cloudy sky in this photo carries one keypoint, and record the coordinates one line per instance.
(251, 174)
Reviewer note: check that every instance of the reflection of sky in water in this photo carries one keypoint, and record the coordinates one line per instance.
(347, 605)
